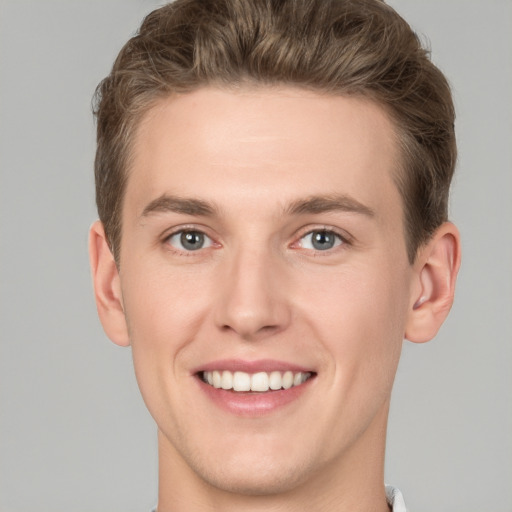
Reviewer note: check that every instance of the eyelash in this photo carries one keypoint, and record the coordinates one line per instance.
(343, 240)
(183, 231)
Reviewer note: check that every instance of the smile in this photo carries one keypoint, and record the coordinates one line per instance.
(253, 389)
(260, 382)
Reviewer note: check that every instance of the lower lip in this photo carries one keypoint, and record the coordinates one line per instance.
(253, 404)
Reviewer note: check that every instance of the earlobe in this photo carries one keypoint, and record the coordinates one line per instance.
(436, 269)
(107, 287)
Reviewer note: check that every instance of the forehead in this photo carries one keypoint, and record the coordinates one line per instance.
(269, 144)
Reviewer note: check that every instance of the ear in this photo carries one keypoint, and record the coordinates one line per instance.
(107, 286)
(435, 273)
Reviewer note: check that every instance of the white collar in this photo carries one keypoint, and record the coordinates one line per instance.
(395, 499)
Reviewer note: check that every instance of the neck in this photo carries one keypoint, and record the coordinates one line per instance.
(351, 482)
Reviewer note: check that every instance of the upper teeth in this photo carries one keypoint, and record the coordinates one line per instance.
(261, 381)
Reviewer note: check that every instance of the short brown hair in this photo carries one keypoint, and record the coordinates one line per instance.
(360, 47)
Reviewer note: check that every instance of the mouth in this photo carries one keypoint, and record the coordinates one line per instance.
(259, 382)
(254, 388)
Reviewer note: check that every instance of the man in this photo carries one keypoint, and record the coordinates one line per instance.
(272, 182)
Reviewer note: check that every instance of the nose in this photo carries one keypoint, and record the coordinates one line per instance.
(252, 300)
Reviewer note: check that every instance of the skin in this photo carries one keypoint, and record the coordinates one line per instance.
(258, 289)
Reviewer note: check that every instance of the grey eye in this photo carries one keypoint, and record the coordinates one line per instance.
(320, 240)
(190, 240)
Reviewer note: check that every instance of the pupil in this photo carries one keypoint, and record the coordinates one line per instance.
(323, 240)
(192, 240)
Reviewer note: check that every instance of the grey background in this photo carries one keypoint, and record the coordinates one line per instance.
(74, 433)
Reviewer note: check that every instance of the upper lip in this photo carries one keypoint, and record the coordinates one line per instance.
(260, 365)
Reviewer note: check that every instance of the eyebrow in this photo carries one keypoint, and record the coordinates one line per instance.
(188, 206)
(322, 204)
(312, 205)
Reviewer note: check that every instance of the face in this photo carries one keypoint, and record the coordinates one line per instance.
(263, 249)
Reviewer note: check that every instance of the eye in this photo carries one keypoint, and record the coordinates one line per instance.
(189, 240)
(320, 240)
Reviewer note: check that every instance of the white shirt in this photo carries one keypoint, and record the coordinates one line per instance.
(395, 499)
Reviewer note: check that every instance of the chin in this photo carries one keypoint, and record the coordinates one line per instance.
(254, 479)
(248, 467)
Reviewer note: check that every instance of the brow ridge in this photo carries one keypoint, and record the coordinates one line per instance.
(188, 206)
(309, 205)
(322, 204)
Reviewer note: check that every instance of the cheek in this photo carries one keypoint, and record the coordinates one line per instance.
(360, 318)
(164, 311)
(162, 305)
